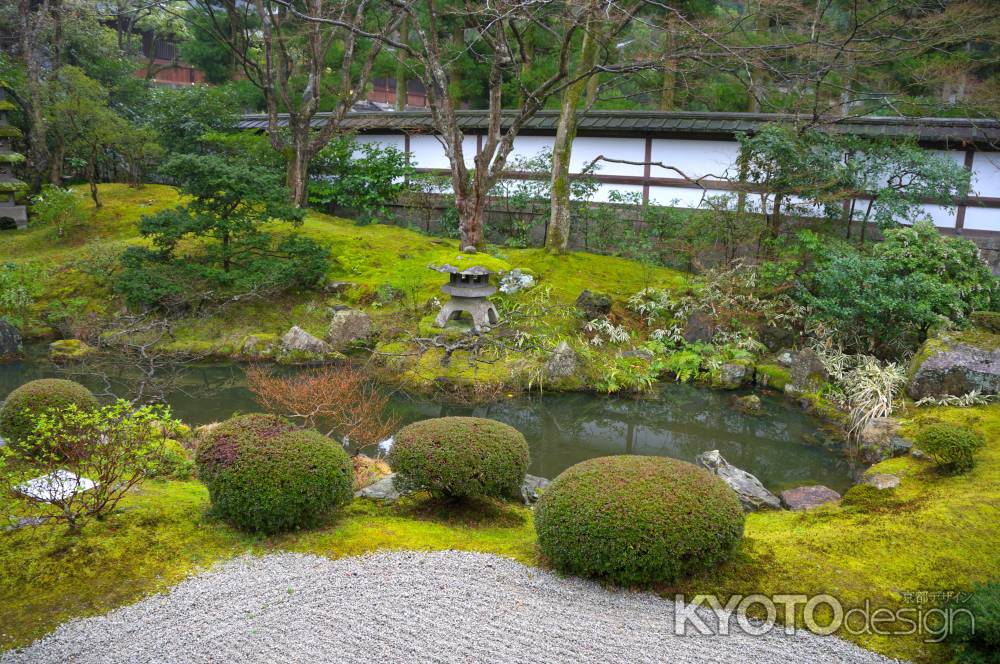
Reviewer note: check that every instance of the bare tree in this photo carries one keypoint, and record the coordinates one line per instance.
(287, 54)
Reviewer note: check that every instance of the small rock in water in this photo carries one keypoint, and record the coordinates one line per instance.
(749, 404)
(808, 497)
(55, 486)
(386, 445)
(882, 481)
(752, 494)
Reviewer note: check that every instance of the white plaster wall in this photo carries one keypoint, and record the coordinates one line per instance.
(982, 219)
(587, 148)
(695, 158)
(986, 175)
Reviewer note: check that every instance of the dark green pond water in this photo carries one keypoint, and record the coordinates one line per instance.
(783, 447)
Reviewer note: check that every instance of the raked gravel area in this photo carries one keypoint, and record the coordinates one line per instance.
(406, 607)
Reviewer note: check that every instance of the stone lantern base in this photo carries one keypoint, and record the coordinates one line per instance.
(482, 311)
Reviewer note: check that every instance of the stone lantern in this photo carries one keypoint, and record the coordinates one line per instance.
(468, 289)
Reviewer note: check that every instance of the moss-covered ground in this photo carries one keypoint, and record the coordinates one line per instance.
(935, 533)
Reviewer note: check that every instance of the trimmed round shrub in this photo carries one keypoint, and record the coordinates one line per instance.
(637, 519)
(460, 457)
(17, 414)
(265, 475)
(173, 462)
(950, 445)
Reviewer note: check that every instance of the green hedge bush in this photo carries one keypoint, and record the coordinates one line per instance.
(982, 644)
(265, 475)
(951, 446)
(19, 410)
(459, 457)
(637, 519)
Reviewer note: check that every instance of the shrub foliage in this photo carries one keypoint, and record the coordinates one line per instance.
(263, 474)
(458, 457)
(978, 643)
(953, 447)
(17, 417)
(637, 519)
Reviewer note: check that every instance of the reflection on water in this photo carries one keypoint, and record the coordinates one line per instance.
(781, 447)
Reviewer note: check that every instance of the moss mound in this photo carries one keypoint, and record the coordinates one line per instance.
(637, 519)
(265, 475)
(459, 457)
(951, 446)
(16, 416)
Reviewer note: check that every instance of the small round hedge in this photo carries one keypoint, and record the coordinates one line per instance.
(17, 414)
(265, 475)
(460, 457)
(950, 445)
(637, 519)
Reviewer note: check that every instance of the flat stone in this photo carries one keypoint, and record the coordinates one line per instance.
(882, 481)
(338, 286)
(55, 486)
(347, 327)
(807, 373)
(70, 350)
(733, 375)
(808, 497)
(786, 358)
(752, 494)
(532, 488)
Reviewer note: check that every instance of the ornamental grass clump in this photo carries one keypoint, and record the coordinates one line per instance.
(23, 405)
(952, 447)
(460, 457)
(637, 519)
(265, 475)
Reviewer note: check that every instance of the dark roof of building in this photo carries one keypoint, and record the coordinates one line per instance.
(683, 124)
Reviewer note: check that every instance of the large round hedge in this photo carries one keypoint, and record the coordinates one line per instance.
(458, 457)
(265, 475)
(637, 519)
(17, 414)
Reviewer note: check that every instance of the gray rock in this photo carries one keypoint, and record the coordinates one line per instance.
(10, 342)
(749, 404)
(593, 305)
(299, 341)
(699, 328)
(515, 281)
(808, 497)
(733, 375)
(876, 441)
(641, 353)
(786, 358)
(956, 370)
(901, 446)
(384, 490)
(808, 373)
(533, 488)
(348, 326)
(752, 494)
(563, 362)
(54, 487)
(335, 287)
(882, 481)
(775, 338)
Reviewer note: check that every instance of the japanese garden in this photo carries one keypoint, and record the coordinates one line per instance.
(529, 330)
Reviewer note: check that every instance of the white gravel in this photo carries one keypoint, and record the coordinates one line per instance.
(406, 607)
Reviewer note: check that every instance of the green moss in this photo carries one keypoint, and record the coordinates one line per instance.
(69, 350)
(942, 341)
(773, 376)
(7, 105)
(12, 187)
(9, 131)
(11, 158)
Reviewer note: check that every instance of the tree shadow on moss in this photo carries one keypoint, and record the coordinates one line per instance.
(468, 512)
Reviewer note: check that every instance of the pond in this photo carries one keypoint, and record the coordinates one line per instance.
(784, 447)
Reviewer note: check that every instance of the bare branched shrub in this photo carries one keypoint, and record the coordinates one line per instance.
(342, 401)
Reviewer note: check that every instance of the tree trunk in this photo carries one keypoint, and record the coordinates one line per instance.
(92, 180)
(669, 84)
(36, 118)
(297, 168)
(560, 219)
(56, 165)
(471, 204)
(402, 73)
